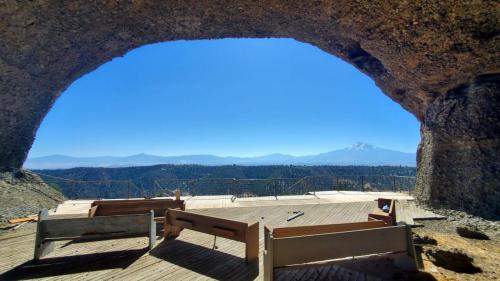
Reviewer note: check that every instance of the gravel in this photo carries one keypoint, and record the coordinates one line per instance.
(462, 219)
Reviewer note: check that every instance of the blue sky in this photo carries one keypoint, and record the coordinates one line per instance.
(240, 97)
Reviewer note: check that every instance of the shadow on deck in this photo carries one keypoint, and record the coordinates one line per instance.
(58, 266)
(205, 261)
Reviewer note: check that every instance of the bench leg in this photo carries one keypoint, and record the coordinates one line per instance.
(167, 228)
(42, 248)
(176, 230)
(252, 244)
(152, 230)
(171, 230)
(268, 266)
(268, 257)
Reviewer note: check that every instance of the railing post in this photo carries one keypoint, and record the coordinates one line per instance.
(275, 191)
(362, 184)
(315, 186)
(337, 183)
(233, 186)
(394, 183)
(308, 184)
(177, 195)
(128, 192)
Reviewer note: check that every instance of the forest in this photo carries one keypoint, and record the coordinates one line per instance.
(162, 180)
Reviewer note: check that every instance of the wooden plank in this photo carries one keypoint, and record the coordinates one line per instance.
(127, 207)
(78, 227)
(160, 220)
(21, 220)
(269, 259)
(94, 237)
(206, 224)
(131, 201)
(266, 236)
(305, 249)
(183, 222)
(252, 243)
(92, 211)
(392, 209)
(223, 232)
(386, 218)
(282, 232)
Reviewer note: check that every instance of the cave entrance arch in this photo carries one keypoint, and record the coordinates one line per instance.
(435, 59)
(290, 88)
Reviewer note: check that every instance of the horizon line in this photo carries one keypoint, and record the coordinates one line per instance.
(220, 156)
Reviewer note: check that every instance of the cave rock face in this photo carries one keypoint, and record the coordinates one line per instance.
(459, 155)
(437, 59)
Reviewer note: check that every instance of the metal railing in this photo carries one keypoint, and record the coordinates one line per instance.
(236, 188)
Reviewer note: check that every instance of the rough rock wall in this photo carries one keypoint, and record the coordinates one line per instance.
(459, 156)
(416, 51)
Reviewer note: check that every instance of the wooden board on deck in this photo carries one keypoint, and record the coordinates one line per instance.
(407, 212)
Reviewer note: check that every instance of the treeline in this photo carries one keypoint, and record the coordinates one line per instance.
(159, 180)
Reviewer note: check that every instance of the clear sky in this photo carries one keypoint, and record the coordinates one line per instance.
(240, 97)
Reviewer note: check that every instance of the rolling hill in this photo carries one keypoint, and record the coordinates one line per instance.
(357, 154)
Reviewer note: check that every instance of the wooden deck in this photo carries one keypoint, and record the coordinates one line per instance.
(189, 257)
(224, 201)
(407, 212)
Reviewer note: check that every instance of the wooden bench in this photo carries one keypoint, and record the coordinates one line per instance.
(176, 220)
(388, 217)
(135, 206)
(288, 246)
(96, 228)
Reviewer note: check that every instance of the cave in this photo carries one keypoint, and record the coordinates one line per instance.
(439, 60)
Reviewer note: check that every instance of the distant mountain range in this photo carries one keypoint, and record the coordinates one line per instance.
(357, 154)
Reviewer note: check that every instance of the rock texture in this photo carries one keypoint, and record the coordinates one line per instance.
(418, 53)
(23, 194)
(459, 156)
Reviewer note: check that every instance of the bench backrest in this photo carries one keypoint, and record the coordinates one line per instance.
(313, 248)
(134, 206)
(392, 205)
(281, 232)
(378, 214)
(176, 220)
(234, 230)
(81, 228)
(95, 228)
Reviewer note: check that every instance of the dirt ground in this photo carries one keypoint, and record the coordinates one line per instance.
(479, 258)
